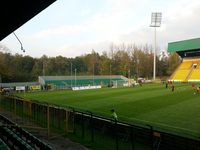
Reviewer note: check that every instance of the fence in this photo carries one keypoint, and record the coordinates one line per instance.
(96, 132)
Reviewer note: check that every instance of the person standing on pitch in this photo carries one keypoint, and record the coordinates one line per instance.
(172, 87)
(166, 85)
(114, 115)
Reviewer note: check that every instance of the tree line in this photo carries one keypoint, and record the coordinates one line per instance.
(128, 60)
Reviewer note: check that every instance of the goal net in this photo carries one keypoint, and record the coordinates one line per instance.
(120, 83)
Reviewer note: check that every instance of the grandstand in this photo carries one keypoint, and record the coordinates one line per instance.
(189, 69)
(71, 81)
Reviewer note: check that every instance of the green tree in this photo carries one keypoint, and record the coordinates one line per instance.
(174, 61)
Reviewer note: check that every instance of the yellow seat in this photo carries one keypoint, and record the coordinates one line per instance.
(187, 71)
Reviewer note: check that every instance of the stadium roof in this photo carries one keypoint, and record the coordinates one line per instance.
(185, 45)
(14, 13)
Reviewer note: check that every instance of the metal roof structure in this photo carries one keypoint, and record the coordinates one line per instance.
(14, 13)
(185, 45)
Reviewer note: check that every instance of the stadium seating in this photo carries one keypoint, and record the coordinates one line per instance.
(69, 81)
(3, 145)
(183, 71)
(188, 70)
(181, 75)
(185, 65)
(14, 137)
(195, 75)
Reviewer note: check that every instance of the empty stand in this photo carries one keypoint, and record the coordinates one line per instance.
(195, 75)
(3, 145)
(13, 136)
(188, 70)
(70, 81)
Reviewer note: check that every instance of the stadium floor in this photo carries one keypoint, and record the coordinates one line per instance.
(153, 104)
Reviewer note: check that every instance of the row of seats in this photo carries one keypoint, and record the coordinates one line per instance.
(16, 137)
(32, 140)
(195, 75)
(189, 70)
(13, 140)
(82, 82)
(181, 74)
(3, 145)
(185, 65)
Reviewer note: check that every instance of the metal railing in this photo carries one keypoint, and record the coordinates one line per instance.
(95, 131)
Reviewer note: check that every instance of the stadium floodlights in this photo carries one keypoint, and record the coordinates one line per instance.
(19, 42)
(155, 22)
(156, 19)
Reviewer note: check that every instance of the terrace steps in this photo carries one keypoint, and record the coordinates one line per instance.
(188, 70)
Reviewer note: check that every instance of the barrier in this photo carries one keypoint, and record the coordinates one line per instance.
(86, 87)
(96, 131)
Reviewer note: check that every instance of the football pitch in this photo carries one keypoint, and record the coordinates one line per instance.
(151, 104)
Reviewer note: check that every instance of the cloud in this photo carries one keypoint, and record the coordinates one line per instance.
(61, 30)
(180, 22)
(119, 21)
(108, 23)
(74, 50)
(96, 31)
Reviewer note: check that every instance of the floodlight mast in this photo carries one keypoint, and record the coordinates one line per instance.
(155, 22)
(75, 75)
(71, 74)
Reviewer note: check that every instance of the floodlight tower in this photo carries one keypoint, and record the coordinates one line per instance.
(155, 22)
(110, 72)
(75, 75)
(71, 74)
(93, 74)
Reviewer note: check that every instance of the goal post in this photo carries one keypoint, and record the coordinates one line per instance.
(120, 83)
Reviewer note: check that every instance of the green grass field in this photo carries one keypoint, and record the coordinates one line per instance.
(153, 104)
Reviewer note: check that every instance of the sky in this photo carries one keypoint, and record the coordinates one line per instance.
(73, 28)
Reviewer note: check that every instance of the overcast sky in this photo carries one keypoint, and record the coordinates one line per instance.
(74, 27)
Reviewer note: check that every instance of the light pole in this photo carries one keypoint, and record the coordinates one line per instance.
(110, 73)
(75, 76)
(129, 77)
(93, 74)
(71, 74)
(43, 68)
(137, 68)
(155, 22)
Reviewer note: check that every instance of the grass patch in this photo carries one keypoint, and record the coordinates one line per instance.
(152, 104)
